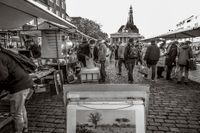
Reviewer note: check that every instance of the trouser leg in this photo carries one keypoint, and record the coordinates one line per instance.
(186, 74)
(180, 73)
(18, 110)
(120, 65)
(153, 67)
(169, 70)
(131, 65)
(159, 72)
(102, 70)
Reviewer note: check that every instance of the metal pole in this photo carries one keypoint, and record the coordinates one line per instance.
(57, 51)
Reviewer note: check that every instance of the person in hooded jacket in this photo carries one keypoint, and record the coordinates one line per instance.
(184, 55)
(15, 80)
(171, 58)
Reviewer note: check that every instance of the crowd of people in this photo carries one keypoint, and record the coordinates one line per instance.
(173, 59)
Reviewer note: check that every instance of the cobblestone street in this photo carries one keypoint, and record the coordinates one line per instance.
(173, 108)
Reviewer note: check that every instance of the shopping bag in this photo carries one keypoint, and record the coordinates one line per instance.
(192, 64)
(143, 69)
(90, 63)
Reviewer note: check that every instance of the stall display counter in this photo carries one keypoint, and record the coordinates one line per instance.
(108, 101)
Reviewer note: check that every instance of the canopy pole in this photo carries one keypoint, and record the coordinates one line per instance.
(57, 50)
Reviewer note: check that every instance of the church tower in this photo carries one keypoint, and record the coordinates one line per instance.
(130, 27)
(127, 31)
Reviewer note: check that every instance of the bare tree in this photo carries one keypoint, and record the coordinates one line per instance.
(94, 118)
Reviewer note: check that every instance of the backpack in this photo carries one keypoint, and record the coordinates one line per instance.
(25, 63)
(133, 52)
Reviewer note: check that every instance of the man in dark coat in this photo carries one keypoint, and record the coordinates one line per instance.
(171, 58)
(83, 52)
(16, 81)
(151, 57)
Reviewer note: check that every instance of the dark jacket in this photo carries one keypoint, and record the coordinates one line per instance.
(12, 77)
(95, 53)
(127, 52)
(184, 54)
(171, 56)
(152, 54)
(83, 50)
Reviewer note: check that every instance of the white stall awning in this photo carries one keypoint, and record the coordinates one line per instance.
(179, 34)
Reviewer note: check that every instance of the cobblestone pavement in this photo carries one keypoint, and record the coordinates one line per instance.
(173, 108)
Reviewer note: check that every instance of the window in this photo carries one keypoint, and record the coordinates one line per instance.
(51, 9)
(57, 12)
(63, 5)
(63, 15)
(58, 2)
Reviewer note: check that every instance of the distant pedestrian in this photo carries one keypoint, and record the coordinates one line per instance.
(121, 61)
(116, 54)
(131, 55)
(171, 58)
(102, 59)
(151, 57)
(184, 55)
(161, 62)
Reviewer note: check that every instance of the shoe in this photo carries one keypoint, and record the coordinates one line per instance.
(25, 130)
(119, 74)
(130, 82)
(178, 82)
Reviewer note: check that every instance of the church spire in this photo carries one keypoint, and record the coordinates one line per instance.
(130, 17)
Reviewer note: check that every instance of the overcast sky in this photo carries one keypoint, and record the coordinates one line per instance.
(152, 17)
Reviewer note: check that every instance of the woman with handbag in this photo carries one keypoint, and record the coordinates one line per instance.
(184, 55)
(161, 62)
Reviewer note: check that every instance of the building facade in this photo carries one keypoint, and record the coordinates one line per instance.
(58, 7)
(127, 31)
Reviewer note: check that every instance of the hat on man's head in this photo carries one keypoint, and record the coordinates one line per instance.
(131, 40)
(92, 41)
(175, 43)
(84, 40)
(153, 42)
(188, 42)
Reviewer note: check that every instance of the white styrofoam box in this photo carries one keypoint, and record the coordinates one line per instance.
(91, 74)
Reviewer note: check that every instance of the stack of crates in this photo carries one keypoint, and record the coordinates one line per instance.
(90, 74)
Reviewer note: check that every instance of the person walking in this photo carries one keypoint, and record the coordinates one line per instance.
(131, 55)
(121, 50)
(171, 58)
(102, 60)
(116, 54)
(18, 83)
(151, 57)
(161, 62)
(184, 55)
